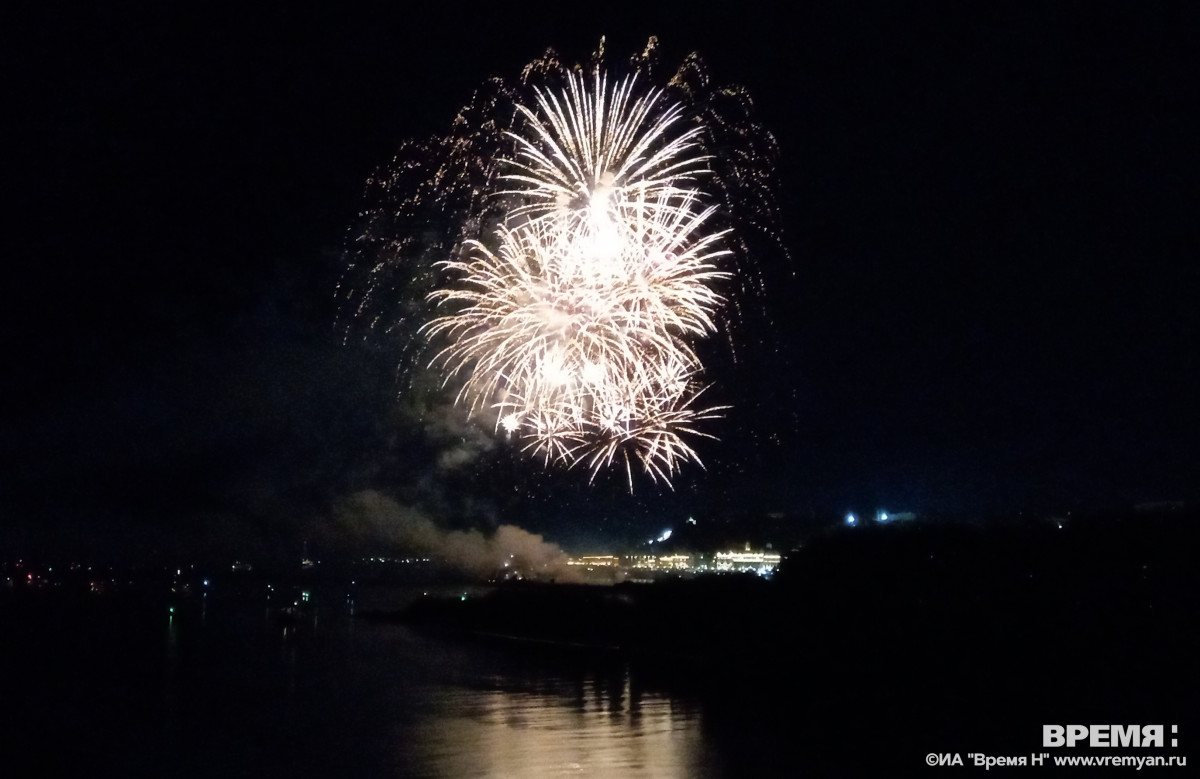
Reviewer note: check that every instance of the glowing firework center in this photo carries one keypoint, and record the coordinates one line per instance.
(575, 330)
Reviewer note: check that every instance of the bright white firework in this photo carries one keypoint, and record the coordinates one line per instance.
(575, 332)
(593, 144)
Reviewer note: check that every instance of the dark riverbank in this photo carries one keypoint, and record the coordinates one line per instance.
(867, 650)
(900, 639)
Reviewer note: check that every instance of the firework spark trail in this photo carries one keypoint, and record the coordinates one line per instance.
(595, 144)
(576, 240)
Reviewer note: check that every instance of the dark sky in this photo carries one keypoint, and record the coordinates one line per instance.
(991, 305)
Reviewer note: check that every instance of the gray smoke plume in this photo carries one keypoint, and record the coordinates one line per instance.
(459, 440)
(372, 517)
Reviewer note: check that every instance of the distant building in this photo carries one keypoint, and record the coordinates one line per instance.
(594, 561)
(747, 561)
(648, 568)
(676, 562)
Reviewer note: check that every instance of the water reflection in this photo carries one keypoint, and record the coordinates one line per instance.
(220, 689)
(598, 723)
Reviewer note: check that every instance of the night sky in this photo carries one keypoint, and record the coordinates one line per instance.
(991, 303)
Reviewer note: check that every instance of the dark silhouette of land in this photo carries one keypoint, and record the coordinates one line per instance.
(869, 648)
(891, 640)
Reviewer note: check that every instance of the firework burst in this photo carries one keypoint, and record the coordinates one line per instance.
(589, 253)
(575, 332)
(595, 144)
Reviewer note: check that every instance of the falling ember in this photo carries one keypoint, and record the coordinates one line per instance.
(594, 238)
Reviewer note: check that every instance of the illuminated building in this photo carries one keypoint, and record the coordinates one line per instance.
(762, 563)
(592, 561)
(648, 568)
(676, 562)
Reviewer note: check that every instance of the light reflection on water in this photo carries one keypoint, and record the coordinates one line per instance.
(593, 725)
(226, 689)
(407, 704)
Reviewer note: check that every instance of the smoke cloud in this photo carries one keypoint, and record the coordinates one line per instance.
(372, 517)
(460, 441)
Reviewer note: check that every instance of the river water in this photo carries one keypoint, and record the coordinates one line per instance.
(223, 687)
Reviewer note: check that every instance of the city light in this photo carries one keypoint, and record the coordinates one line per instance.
(647, 567)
